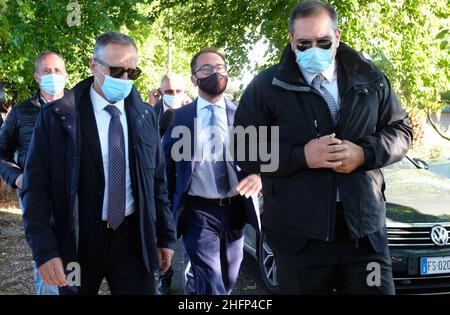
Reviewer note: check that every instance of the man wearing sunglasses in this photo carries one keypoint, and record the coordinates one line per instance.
(212, 199)
(339, 124)
(95, 191)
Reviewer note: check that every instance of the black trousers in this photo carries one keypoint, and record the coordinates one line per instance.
(343, 266)
(116, 256)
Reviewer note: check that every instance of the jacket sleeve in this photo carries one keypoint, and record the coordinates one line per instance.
(36, 197)
(9, 170)
(255, 111)
(393, 136)
(165, 225)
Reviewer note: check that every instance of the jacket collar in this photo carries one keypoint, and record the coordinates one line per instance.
(356, 69)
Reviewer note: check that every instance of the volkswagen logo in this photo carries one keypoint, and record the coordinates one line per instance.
(439, 235)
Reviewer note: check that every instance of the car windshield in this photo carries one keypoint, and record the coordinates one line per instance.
(403, 164)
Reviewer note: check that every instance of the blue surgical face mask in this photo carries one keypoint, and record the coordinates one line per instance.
(115, 89)
(314, 60)
(53, 84)
(173, 102)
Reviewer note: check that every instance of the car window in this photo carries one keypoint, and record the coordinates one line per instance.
(403, 164)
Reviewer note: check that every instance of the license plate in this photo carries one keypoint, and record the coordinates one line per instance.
(434, 265)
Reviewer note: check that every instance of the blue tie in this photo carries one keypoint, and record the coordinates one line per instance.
(219, 167)
(317, 84)
(116, 178)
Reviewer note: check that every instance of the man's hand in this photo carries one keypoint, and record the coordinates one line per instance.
(326, 152)
(165, 256)
(153, 97)
(19, 181)
(353, 160)
(52, 272)
(249, 186)
(186, 101)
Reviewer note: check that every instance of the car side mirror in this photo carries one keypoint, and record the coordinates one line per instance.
(422, 163)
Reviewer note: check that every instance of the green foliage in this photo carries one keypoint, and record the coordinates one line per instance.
(408, 39)
(29, 27)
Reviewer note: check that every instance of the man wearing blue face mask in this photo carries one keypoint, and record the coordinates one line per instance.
(96, 168)
(167, 98)
(15, 133)
(339, 123)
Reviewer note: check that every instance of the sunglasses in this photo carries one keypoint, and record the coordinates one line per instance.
(208, 69)
(117, 72)
(321, 43)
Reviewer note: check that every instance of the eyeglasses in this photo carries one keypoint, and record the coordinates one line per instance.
(117, 72)
(321, 43)
(208, 69)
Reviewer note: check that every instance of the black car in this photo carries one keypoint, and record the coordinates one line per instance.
(418, 222)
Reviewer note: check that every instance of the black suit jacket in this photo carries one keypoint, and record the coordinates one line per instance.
(51, 191)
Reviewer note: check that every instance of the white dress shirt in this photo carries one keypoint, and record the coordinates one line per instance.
(203, 174)
(102, 117)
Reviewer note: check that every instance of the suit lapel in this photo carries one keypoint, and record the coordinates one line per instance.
(89, 131)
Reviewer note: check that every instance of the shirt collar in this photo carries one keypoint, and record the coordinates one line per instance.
(202, 103)
(99, 103)
(330, 73)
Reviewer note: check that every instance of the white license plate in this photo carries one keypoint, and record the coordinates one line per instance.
(434, 265)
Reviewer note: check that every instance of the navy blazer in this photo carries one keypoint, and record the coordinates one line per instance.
(179, 174)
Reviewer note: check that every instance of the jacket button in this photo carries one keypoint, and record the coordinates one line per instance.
(57, 109)
(69, 126)
(63, 117)
(146, 111)
(366, 91)
(381, 84)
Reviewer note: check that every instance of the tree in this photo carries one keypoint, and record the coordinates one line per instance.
(29, 27)
(407, 39)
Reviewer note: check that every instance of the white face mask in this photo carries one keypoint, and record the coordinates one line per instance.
(173, 102)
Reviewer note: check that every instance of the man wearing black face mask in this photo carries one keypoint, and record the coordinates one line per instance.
(208, 190)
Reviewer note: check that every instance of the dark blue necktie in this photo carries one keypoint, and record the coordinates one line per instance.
(219, 166)
(317, 83)
(116, 178)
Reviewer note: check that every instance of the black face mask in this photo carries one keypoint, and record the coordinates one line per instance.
(213, 85)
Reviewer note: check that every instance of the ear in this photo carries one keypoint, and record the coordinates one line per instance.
(36, 77)
(93, 66)
(194, 80)
(291, 40)
(338, 37)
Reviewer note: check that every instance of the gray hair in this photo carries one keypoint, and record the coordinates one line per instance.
(311, 8)
(111, 38)
(43, 54)
(169, 76)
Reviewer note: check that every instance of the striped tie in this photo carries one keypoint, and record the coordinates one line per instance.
(116, 178)
(317, 84)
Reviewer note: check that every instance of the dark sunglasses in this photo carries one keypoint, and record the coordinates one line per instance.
(321, 43)
(117, 72)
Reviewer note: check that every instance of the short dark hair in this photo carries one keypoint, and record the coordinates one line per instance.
(43, 54)
(311, 8)
(206, 50)
(111, 38)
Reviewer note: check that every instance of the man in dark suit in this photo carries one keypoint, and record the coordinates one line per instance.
(339, 123)
(95, 188)
(207, 188)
